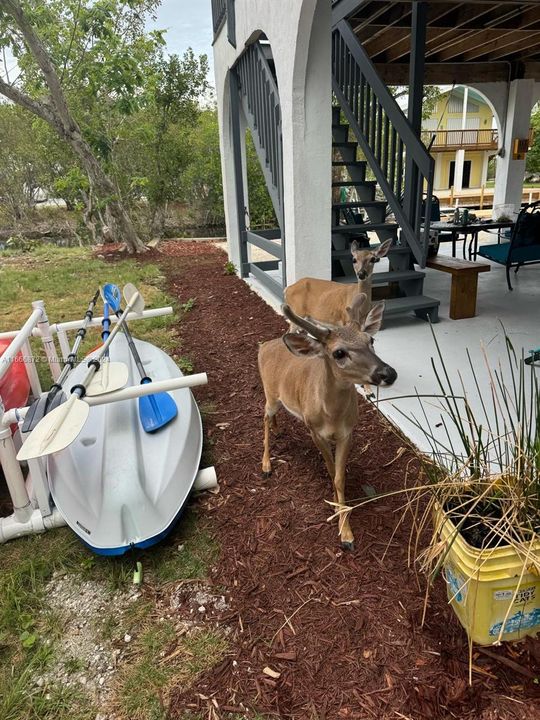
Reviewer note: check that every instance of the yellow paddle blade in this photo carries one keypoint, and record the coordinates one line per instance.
(56, 430)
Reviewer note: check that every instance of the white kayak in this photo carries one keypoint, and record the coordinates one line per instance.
(117, 486)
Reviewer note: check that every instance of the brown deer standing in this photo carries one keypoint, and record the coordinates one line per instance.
(313, 375)
(327, 301)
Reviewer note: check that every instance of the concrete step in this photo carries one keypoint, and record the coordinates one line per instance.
(355, 183)
(364, 227)
(360, 204)
(420, 304)
(383, 278)
(349, 163)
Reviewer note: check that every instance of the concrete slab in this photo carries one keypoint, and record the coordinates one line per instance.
(407, 343)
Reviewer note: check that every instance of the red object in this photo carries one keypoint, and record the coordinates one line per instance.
(14, 386)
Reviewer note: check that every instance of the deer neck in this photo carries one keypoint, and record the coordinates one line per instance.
(364, 286)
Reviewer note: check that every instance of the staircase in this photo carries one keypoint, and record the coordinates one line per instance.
(376, 129)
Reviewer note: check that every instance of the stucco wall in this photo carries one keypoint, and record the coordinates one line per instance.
(299, 35)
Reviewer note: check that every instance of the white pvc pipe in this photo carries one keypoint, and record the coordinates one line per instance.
(19, 338)
(206, 479)
(137, 391)
(11, 528)
(96, 322)
(47, 340)
(31, 370)
(64, 343)
(22, 508)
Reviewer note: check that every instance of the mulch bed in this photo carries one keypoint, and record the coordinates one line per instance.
(342, 630)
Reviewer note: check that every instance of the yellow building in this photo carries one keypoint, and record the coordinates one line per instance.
(461, 136)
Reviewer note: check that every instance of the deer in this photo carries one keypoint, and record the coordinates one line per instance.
(327, 301)
(312, 374)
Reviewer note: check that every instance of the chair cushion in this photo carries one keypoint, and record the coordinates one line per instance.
(497, 253)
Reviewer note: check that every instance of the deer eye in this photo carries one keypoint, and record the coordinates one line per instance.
(354, 261)
(339, 354)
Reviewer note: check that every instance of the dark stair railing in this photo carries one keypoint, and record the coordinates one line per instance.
(259, 96)
(219, 13)
(383, 134)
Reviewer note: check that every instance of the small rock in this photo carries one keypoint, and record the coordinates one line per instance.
(127, 638)
(181, 547)
(202, 609)
(39, 682)
(101, 680)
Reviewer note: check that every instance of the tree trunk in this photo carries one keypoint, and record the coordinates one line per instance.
(55, 111)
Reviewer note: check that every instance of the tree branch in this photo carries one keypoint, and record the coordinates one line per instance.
(36, 47)
(34, 106)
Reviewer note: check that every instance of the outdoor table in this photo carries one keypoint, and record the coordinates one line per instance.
(471, 229)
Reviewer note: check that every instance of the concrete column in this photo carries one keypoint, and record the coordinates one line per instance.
(484, 174)
(307, 149)
(437, 180)
(458, 173)
(510, 173)
(228, 171)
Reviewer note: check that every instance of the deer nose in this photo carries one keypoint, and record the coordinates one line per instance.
(362, 275)
(385, 375)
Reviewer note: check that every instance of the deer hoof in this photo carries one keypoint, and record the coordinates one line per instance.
(266, 474)
(348, 545)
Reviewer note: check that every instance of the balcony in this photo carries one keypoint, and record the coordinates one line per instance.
(446, 140)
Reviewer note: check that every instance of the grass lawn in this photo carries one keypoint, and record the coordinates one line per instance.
(32, 628)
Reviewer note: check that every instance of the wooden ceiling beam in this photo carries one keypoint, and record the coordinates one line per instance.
(387, 39)
(507, 44)
(447, 73)
(525, 48)
(478, 43)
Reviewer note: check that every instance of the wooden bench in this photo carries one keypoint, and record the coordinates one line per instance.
(464, 283)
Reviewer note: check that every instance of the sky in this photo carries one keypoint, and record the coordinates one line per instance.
(188, 24)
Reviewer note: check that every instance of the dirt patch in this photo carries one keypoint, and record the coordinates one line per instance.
(316, 633)
(85, 655)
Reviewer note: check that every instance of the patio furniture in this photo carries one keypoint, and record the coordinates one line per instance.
(435, 217)
(472, 229)
(464, 283)
(524, 245)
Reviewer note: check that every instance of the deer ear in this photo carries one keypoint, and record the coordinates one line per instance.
(373, 321)
(355, 246)
(383, 249)
(302, 345)
(358, 304)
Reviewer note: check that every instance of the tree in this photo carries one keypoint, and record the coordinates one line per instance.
(533, 156)
(65, 45)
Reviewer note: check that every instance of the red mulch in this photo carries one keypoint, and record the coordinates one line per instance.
(341, 629)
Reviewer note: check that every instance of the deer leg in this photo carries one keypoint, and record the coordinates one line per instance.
(326, 452)
(269, 421)
(343, 446)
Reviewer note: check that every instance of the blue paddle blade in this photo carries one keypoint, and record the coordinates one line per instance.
(156, 411)
(112, 295)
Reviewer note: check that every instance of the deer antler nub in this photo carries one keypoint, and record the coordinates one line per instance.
(317, 331)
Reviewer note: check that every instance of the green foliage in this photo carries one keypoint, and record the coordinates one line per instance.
(533, 156)
(229, 268)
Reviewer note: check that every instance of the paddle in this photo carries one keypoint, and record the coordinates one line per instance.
(159, 409)
(59, 428)
(55, 397)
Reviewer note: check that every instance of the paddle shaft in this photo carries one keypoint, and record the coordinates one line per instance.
(93, 365)
(72, 357)
(134, 351)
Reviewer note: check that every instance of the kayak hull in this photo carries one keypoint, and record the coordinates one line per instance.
(117, 486)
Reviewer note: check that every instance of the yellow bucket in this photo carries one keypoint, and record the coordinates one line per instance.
(485, 587)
